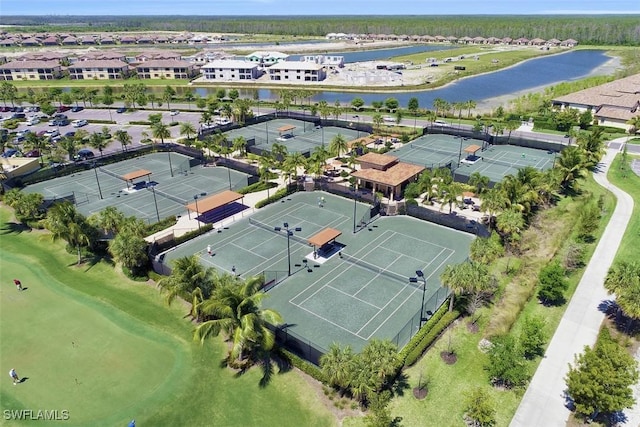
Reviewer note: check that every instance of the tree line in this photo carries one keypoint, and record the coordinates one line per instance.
(587, 29)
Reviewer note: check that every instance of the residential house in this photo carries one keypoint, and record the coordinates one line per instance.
(30, 70)
(230, 70)
(165, 69)
(266, 59)
(296, 72)
(329, 61)
(98, 69)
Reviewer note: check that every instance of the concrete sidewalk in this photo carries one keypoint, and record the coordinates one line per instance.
(544, 401)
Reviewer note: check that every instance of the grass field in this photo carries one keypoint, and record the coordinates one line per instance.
(628, 181)
(107, 350)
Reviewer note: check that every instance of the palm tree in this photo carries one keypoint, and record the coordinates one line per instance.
(109, 219)
(592, 146)
(66, 223)
(377, 121)
(236, 310)
(453, 277)
(571, 166)
(35, 142)
(123, 137)
(510, 223)
(634, 125)
(338, 145)
(167, 96)
(187, 129)
(450, 193)
(279, 153)
(469, 105)
(97, 141)
(292, 162)
(240, 145)
(493, 201)
(187, 275)
(479, 182)
(336, 365)
(160, 131)
(623, 279)
(130, 250)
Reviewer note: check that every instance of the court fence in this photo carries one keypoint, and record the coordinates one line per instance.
(297, 344)
(448, 220)
(272, 278)
(414, 324)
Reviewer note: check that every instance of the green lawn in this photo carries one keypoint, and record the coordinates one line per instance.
(628, 181)
(107, 350)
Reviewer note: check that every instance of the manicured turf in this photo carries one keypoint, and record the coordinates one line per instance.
(107, 350)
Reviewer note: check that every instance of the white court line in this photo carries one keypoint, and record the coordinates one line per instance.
(246, 250)
(410, 296)
(329, 321)
(352, 296)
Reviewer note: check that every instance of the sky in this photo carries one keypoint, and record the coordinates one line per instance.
(316, 7)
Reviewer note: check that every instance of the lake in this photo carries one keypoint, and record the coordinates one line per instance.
(529, 75)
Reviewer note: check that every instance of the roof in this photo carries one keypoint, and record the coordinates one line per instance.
(472, 148)
(394, 176)
(296, 65)
(622, 92)
(267, 54)
(164, 63)
(136, 174)
(230, 63)
(286, 128)
(19, 65)
(617, 113)
(215, 201)
(377, 159)
(99, 63)
(324, 237)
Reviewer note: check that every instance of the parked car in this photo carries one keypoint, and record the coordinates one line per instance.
(70, 134)
(79, 123)
(76, 109)
(23, 132)
(61, 122)
(11, 152)
(18, 116)
(52, 132)
(33, 121)
(121, 110)
(5, 109)
(63, 108)
(174, 112)
(41, 133)
(32, 153)
(83, 154)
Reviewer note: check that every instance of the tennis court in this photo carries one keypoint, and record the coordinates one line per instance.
(168, 189)
(297, 135)
(493, 161)
(356, 290)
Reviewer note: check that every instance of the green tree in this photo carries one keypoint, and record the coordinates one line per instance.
(236, 309)
(464, 278)
(572, 166)
(187, 129)
(487, 250)
(123, 137)
(552, 283)
(130, 250)
(338, 145)
(109, 220)
(64, 222)
(479, 408)
(26, 205)
(97, 141)
(336, 365)
(510, 223)
(240, 145)
(600, 380)
(8, 92)
(167, 96)
(187, 276)
(506, 365)
(160, 131)
(533, 337)
(479, 182)
(391, 104)
(623, 279)
(357, 103)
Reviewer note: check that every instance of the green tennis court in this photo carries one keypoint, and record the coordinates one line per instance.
(93, 190)
(354, 292)
(495, 161)
(297, 135)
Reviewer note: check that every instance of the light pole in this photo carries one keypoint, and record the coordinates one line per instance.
(95, 169)
(155, 201)
(289, 234)
(229, 172)
(266, 125)
(358, 128)
(460, 153)
(420, 275)
(196, 197)
(355, 205)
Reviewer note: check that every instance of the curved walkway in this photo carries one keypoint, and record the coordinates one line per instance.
(543, 404)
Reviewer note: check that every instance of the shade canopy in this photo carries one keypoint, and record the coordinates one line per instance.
(286, 128)
(212, 202)
(323, 237)
(472, 149)
(136, 174)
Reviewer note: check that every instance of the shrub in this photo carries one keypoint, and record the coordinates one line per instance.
(280, 194)
(161, 225)
(306, 367)
(258, 186)
(552, 283)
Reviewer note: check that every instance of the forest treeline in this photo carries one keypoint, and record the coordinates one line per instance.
(587, 29)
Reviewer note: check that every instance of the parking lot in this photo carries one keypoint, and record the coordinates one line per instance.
(122, 122)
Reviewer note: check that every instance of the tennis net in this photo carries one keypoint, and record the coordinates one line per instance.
(379, 270)
(281, 233)
(168, 196)
(108, 172)
(434, 150)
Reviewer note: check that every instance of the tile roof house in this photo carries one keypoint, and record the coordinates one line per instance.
(98, 69)
(165, 69)
(30, 70)
(612, 104)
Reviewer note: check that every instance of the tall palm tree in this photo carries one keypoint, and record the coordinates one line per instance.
(187, 275)
(97, 141)
(292, 162)
(109, 219)
(592, 146)
(623, 279)
(453, 277)
(479, 182)
(123, 137)
(160, 131)
(240, 145)
(469, 105)
(510, 223)
(236, 309)
(187, 129)
(35, 142)
(572, 166)
(64, 222)
(338, 145)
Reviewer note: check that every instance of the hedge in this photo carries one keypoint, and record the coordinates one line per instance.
(280, 194)
(161, 225)
(427, 335)
(306, 367)
(255, 187)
